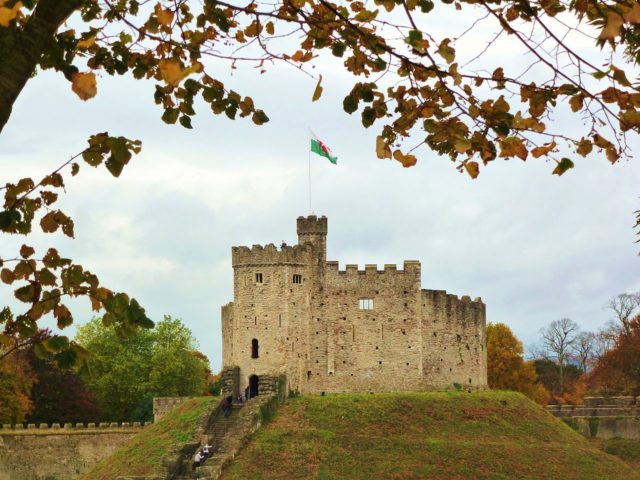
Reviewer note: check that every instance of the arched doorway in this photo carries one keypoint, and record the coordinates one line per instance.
(254, 383)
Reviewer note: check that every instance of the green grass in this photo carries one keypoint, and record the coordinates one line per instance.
(143, 454)
(486, 435)
(628, 450)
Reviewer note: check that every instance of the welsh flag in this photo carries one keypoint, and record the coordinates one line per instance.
(321, 149)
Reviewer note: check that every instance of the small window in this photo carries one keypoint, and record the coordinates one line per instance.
(365, 304)
(254, 348)
(258, 278)
(297, 278)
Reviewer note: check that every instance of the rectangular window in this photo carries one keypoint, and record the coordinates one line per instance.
(365, 304)
(297, 278)
(258, 278)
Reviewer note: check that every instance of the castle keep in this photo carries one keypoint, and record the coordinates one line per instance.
(331, 330)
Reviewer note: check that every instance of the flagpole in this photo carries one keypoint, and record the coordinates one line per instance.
(309, 154)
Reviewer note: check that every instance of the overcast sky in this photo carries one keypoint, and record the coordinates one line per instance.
(534, 246)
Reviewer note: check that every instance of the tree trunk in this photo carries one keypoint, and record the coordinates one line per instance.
(22, 49)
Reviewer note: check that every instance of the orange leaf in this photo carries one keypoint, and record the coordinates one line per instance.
(612, 27)
(472, 168)
(8, 14)
(84, 85)
(165, 17)
(543, 150)
(406, 160)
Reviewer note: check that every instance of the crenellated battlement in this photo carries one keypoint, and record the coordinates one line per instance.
(26, 428)
(271, 255)
(312, 225)
(409, 266)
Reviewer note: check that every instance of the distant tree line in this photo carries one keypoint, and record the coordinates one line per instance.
(117, 382)
(569, 363)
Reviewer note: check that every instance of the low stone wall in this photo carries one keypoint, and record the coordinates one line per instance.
(230, 382)
(602, 417)
(606, 428)
(57, 453)
(161, 405)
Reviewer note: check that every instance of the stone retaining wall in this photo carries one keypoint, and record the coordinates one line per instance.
(56, 454)
(602, 417)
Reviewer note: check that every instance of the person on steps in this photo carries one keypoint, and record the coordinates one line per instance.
(227, 406)
(196, 460)
(206, 451)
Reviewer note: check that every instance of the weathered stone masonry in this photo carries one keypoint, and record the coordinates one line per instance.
(331, 330)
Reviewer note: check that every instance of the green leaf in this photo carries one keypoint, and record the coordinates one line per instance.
(26, 294)
(185, 121)
(350, 104)
(318, 90)
(170, 115)
(75, 168)
(7, 217)
(563, 165)
(57, 343)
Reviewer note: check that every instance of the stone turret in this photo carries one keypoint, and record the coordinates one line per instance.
(313, 230)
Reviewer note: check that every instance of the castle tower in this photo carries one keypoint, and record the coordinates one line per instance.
(313, 230)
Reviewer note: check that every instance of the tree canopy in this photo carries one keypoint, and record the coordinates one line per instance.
(414, 85)
(126, 373)
(506, 367)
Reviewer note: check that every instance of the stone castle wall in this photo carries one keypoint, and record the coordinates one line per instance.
(316, 334)
(58, 453)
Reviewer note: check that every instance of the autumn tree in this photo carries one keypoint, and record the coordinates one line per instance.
(558, 339)
(416, 86)
(583, 350)
(617, 372)
(16, 382)
(506, 367)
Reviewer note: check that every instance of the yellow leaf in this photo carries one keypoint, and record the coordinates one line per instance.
(318, 91)
(84, 85)
(543, 150)
(612, 27)
(406, 160)
(171, 71)
(462, 145)
(164, 16)
(382, 148)
(84, 44)
(472, 168)
(8, 14)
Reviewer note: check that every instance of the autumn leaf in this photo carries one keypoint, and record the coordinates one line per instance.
(8, 14)
(612, 27)
(584, 147)
(543, 150)
(406, 160)
(472, 169)
(576, 102)
(86, 43)
(632, 15)
(563, 165)
(446, 51)
(7, 276)
(513, 147)
(318, 91)
(171, 71)
(84, 85)
(26, 251)
(382, 148)
(164, 16)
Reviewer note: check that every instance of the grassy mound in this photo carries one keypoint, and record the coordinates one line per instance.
(628, 450)
(487, 435)
(143, 454)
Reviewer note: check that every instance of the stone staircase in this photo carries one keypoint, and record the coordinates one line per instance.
(227, 435)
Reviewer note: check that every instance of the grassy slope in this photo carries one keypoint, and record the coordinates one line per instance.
(142, 455)
(488, 435)
(628, 450)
